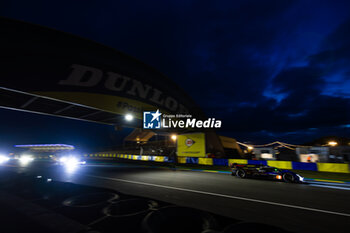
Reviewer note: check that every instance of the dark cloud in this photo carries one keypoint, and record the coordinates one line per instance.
(305, 105)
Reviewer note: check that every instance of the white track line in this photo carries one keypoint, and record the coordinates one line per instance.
(330, 186)
(223, 195)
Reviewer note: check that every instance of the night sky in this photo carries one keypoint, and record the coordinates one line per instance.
(270, 70)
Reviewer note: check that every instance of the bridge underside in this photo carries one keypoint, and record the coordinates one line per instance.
(23, 101)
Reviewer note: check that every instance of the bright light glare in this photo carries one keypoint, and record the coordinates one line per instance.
(4, 159)
(173, 137)
(70, 162)
(25, 159)
(300, 178)
(332, 143)
(250, 148)
(129, 117)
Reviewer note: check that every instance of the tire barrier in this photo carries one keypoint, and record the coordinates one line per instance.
(289, 165)
(126, 215)
(175, 219)
(91, 199)
(87, 205)
(130, 207)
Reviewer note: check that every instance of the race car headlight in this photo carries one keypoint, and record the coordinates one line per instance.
(25, 159)
(4, 159)
(300, 177)
(69, 161)
(72, 161)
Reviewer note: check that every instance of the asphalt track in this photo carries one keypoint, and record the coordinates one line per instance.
(294, 207)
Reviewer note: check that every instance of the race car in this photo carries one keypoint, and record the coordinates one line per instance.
(267, 172)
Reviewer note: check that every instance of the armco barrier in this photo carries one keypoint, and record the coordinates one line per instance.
(322, 167)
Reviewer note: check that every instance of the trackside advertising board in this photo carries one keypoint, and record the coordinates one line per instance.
(191, 145)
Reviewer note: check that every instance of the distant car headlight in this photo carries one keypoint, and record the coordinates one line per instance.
(72, 161)
(4, 159)
(63, 159)
(69, 161)
(25, 159)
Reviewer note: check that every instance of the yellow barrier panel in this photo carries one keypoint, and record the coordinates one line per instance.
(181, 159)
(333, 167)
(238, 161)
(280, 164)
(159, 158)
(205, 161)
(191, 145)
(144, 157)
